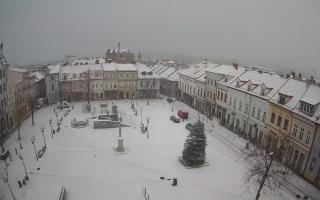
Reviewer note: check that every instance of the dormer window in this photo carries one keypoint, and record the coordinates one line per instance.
(306, 108)
(282, 99)
(144, 73)
(238, 83)
(249, 86)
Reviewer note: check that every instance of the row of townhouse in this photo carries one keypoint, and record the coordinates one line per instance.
(101, 81)
(23, 87)
(276, 113)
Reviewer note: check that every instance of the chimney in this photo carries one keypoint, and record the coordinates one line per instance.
(299, 77)
(236, 65)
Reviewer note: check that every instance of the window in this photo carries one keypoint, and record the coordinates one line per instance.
(240, 106)
(301, 133)
(295, 129)
(253, 111)
(264, 117)
(273, 116)
(225, 97)
(234, 103)
(312, 164)
(285, 124)
(282, 99)
(247, 108)
(52, 87)
(279, 120)
(230, 101)
(218, 94)
(308, 137)
(259, 112)
(306, 108)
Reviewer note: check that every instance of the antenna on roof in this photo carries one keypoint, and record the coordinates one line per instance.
(119, 46)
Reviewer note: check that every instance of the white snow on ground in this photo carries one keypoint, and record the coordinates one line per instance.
(83, 162)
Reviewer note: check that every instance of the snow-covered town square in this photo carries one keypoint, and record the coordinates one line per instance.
(159, 100)
(84, 162)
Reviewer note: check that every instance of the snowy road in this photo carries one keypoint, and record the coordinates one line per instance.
(83, 160)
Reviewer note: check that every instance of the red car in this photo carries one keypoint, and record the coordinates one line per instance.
(183, 114)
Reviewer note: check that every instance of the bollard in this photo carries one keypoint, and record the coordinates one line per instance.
(20, 184)
(175, 182)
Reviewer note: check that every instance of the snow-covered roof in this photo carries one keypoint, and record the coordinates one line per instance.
(144, 72)
(87, 61)
(109, 66)
(174, 76)
(202, 78)
(294, 90)
(227, 70)
(54, 69)
(167, 72)
(198, 70)
(17, 69)
(258, 79)
(160, 68)
(126, 67)
(312, 95)
(74, 69)
(38, 76)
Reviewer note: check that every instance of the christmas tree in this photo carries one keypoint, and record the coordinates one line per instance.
(194, 153)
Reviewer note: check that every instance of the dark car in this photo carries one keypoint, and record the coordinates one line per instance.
(183, 114)
(174, 119)
(170, 100)
(189, 126)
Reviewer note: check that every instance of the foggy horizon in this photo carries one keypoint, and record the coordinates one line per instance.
(271, 33)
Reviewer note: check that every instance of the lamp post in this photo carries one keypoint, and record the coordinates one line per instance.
(44, 137)
(50, 122)
(33, 141)
(57, 118)
(147, 127)
(24, 166)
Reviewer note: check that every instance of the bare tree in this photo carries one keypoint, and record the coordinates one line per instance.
(263, 168)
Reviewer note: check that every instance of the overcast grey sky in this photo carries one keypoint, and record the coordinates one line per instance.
(277, 32)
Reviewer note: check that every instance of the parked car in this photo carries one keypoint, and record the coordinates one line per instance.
(62, 104)
(189, 126)
(170, 100)
(183, 114)
(174, 119)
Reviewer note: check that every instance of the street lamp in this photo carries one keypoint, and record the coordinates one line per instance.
(50, 122)
(147, 127)
(44, 137)
(24, 166)
(33, 141)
